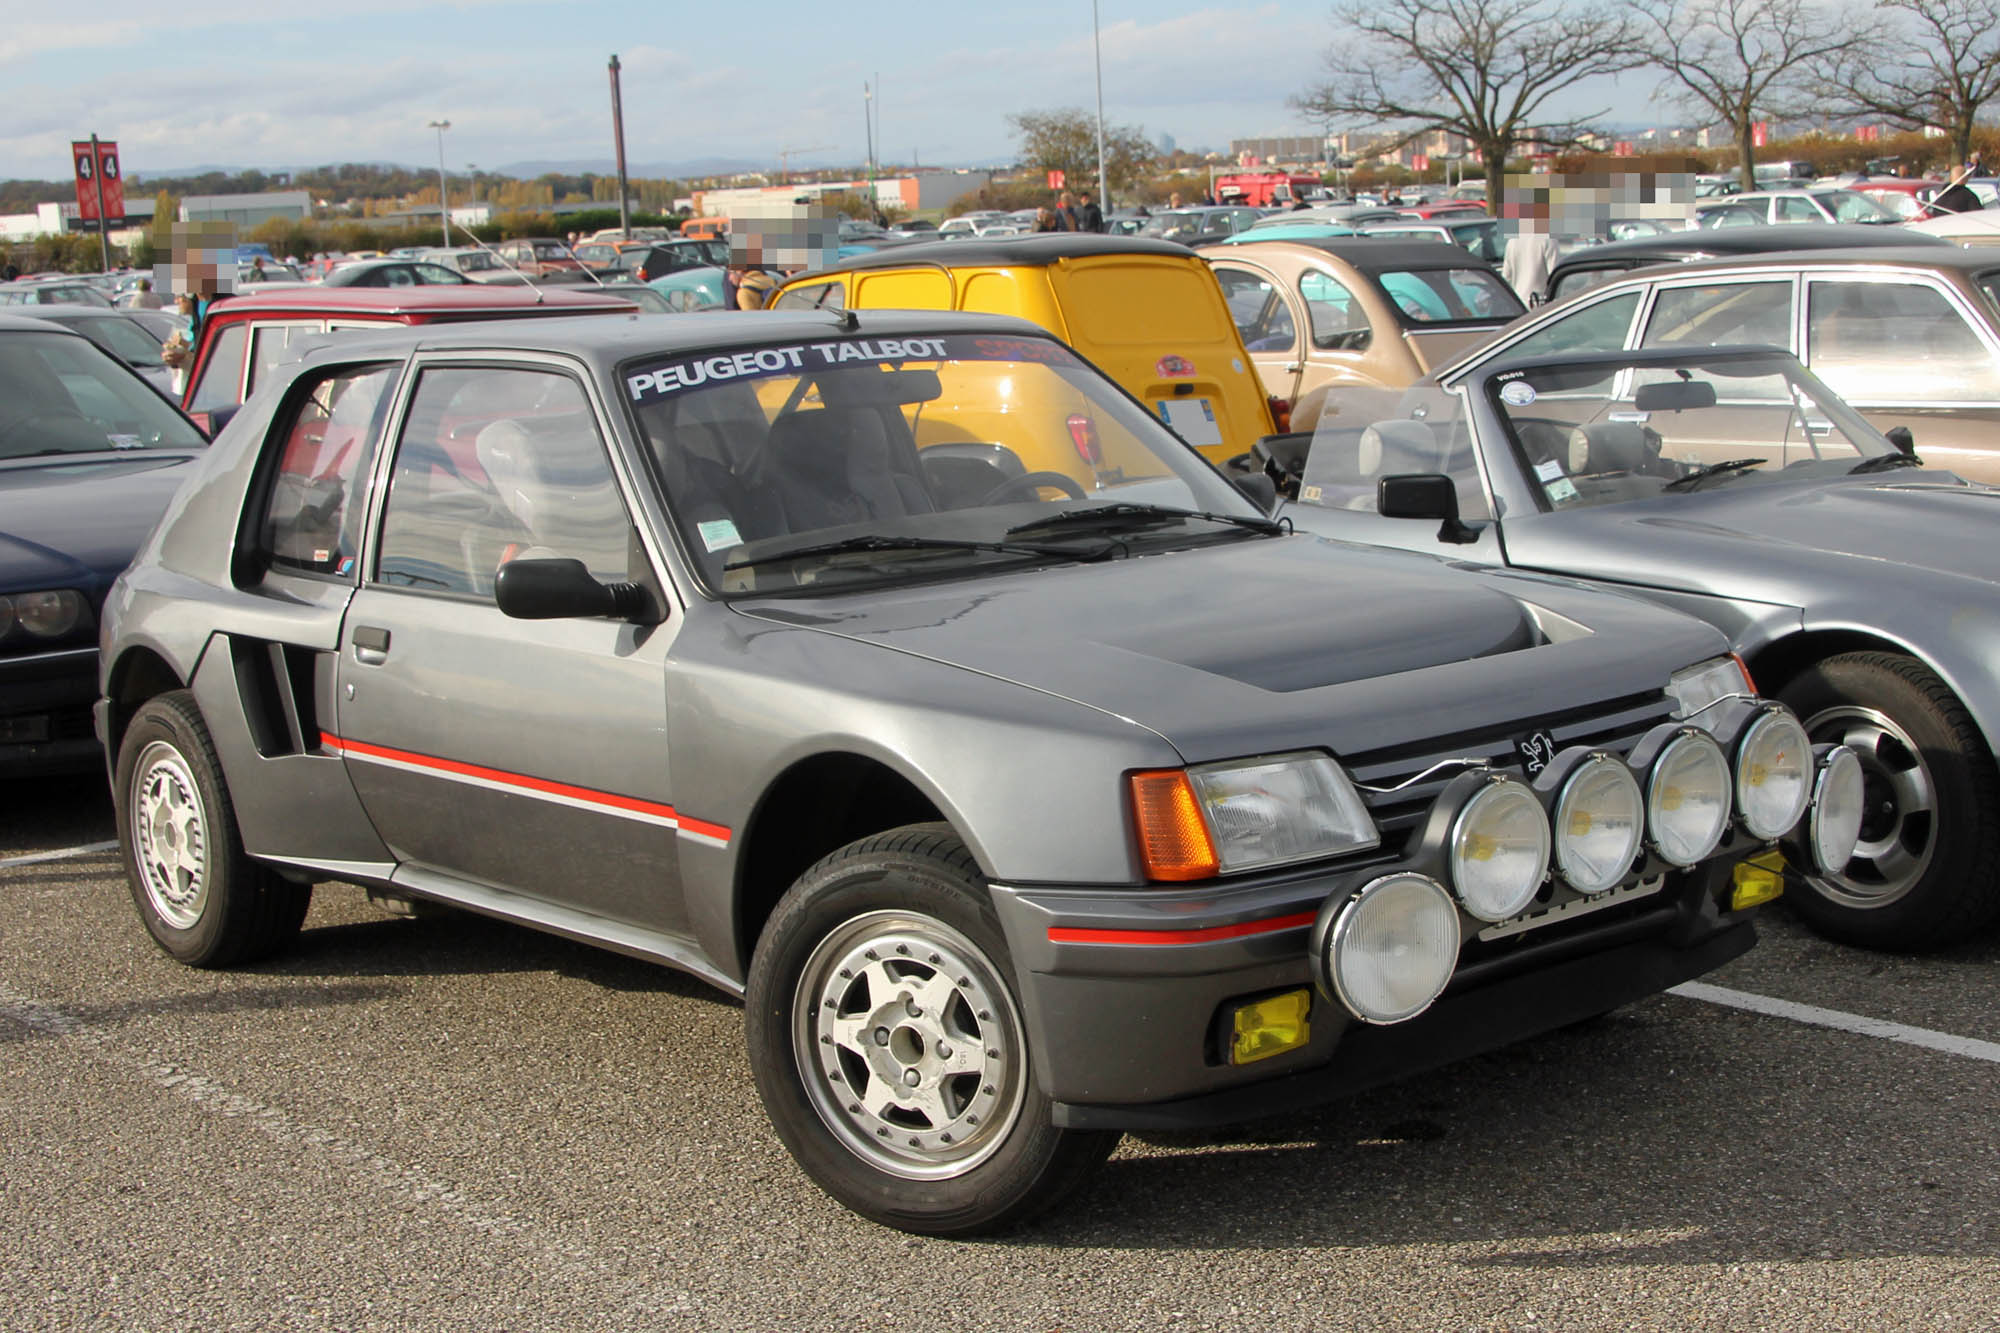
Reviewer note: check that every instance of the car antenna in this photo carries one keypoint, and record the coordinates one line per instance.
(847, 320)
(502, 261)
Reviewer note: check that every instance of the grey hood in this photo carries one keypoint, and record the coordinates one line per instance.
(1322, 644)
(1795, 544)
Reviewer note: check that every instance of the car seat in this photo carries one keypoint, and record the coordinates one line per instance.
(838, 465)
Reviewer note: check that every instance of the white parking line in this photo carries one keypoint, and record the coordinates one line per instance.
(1834, 1018)
(87, 849)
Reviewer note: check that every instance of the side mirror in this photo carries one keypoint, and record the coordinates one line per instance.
(1258, 488)
(1900, 437)
(560, 588)
(1424, 495)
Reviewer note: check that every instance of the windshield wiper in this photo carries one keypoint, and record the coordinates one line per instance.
(1883, 462)
(1701, 474)
(881, 541)
(1129, 513)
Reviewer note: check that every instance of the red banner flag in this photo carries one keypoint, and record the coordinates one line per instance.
(98, 176)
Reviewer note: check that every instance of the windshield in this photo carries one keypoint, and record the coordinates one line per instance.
(918, 458)
(1848, 206)
(61, 394)
(1598, 434)
(124, 339)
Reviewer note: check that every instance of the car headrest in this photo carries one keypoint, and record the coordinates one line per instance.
(1609, 446)
(1389, 448)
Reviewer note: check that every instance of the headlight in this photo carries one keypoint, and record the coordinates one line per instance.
(1773, 774)
(48, 615)
(1392, 948)
(1499, 850)
(1837, 810)
(1600, 819)
(1247, 815)
(1699, 686)
(1687, 798)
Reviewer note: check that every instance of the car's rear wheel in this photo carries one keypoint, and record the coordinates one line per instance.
(200, 896)
(889, 1046)
(1926, 871)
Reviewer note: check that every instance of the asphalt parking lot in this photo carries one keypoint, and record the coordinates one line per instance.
(450, 1123)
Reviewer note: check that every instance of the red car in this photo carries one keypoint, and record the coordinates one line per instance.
(1906, 197)
(539, 256)
(245, 337)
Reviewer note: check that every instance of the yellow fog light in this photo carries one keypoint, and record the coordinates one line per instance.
(1270, 1026)
(1758, 880)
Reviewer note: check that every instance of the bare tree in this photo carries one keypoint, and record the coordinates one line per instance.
(1937, 63)
(1483, 71)
(1748, 60)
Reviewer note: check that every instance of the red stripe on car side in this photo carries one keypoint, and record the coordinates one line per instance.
(1270, 925)
(522, 780)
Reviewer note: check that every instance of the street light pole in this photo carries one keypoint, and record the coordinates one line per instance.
(868, 125)
(1097, 51)
(444, 200)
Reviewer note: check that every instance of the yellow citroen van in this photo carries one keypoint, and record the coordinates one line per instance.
(1148, 313)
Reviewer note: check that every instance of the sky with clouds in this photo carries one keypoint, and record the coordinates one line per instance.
(199, 82)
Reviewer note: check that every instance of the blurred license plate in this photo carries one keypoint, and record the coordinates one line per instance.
(1193, 419)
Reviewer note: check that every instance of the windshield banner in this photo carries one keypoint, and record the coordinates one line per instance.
(808, 357)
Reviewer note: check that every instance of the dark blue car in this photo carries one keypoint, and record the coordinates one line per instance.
(89, 457)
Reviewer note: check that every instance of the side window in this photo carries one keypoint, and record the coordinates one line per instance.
(1721, 314)
(1338, 321)
(219, 378)
(494, 463)
(267, 348)
(1258, 311)
(312, 522)
(1600, 327)
(1348, 460)
(819, 296)
(1791, 209)
(1895, 341)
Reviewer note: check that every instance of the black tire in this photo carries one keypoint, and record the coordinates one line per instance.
(201, 897)
(1924, 875)
(985, 1155)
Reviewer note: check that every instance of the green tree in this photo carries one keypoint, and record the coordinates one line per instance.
(1065, 140)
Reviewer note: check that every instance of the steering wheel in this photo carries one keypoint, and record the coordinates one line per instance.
(1028, 483)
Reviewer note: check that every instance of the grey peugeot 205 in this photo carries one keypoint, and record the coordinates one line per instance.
(894, 672)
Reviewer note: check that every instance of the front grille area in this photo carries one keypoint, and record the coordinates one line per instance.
(1615, 725)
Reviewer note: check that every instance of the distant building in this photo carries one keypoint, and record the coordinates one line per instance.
(247, 210)
(1281, 148)
(920, 192)
(1167, 145)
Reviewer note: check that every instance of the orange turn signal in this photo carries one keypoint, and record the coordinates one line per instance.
(1749, 681)
(1174, 843)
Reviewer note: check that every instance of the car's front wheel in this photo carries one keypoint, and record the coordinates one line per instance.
(200, 896)
(889, 1047)
(1926, 871)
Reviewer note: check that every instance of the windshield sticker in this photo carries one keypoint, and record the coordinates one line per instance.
(1637, 418)
(718, 534)
(1517, 393)
(1561, 491)
(795, 358)
(1548, 470)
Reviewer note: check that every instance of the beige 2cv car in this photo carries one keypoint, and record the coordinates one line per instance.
(1352, 312)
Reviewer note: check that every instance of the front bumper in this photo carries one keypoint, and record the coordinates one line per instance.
(1126, 995)
(45, 712)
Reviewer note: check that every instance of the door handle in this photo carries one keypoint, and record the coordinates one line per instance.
(371, 645)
